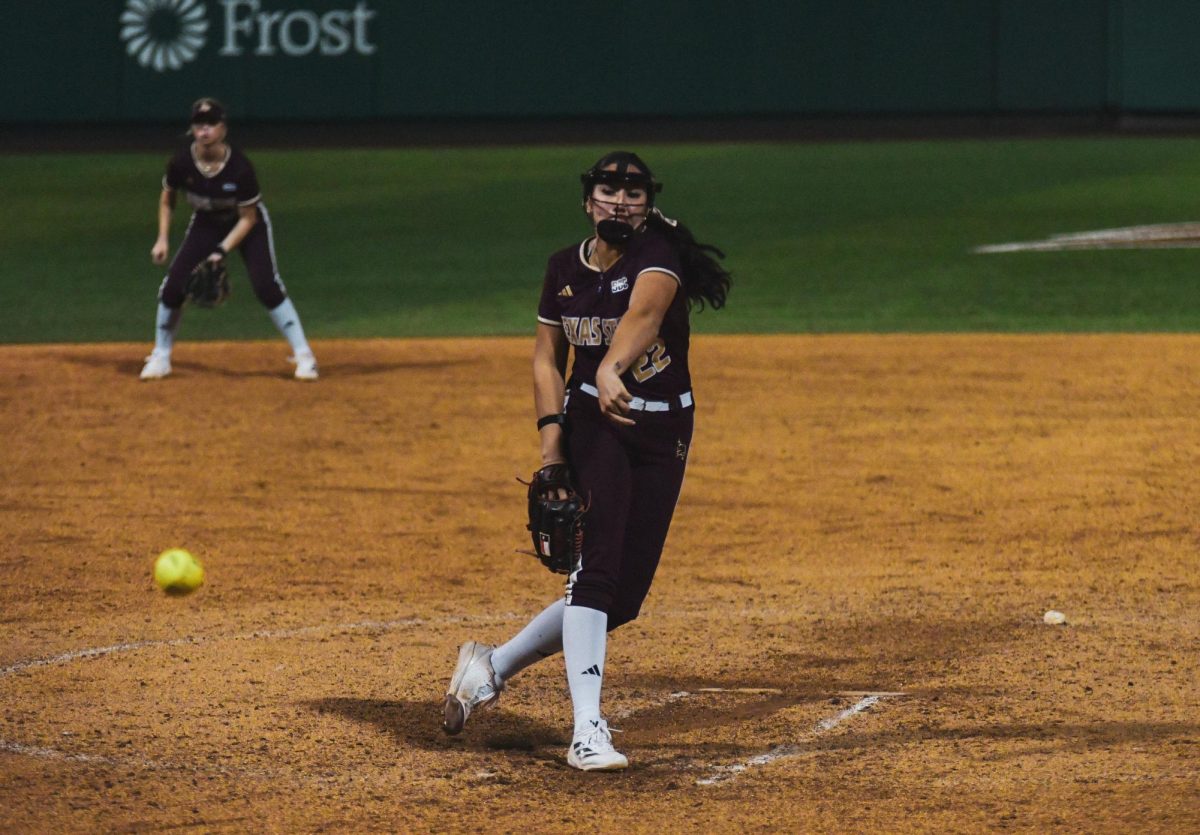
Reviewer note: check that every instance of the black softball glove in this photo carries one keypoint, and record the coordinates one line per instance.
(556, 524)
(208, 285)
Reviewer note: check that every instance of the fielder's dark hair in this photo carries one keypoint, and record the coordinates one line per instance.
(705, 281)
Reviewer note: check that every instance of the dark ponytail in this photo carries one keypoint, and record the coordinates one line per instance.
(704, 280)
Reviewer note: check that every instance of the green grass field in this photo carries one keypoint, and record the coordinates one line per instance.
(848, 237)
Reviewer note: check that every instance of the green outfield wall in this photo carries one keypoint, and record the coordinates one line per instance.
(91, 61)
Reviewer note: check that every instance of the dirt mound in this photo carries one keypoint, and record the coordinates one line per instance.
(863, 517)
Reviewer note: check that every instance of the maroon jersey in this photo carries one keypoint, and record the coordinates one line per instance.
(588, 303)
(219, 195)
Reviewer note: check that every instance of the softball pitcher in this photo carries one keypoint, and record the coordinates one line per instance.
(222, 189)
(618, 433)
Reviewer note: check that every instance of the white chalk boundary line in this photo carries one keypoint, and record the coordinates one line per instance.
(276, 634)
(772, 691)
(261, 634)
(1156, 236)
(46, 753)
(725, 773)
(699, 691)
(42, 752)
(55, 754)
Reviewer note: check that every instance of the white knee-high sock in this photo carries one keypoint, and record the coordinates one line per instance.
(585, 639)
(166, 323)
(541, 638)
(287, 320)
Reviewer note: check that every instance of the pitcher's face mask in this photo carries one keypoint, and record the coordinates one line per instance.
(618, 194)
(618, 209)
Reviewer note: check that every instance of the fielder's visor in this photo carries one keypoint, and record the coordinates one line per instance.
(207, 112)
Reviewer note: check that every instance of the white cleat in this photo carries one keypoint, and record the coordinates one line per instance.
(157, 366)
(592, 749)
(306, 366)
(473, 685)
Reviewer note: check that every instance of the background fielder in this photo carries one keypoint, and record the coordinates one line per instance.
(219, 183)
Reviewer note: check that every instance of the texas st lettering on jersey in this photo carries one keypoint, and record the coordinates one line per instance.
(588, 304)
(220, 194)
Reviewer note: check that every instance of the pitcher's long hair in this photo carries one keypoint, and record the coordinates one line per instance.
(705, 281)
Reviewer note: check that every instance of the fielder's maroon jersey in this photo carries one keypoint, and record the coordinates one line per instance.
(588, 303)
(221, 194)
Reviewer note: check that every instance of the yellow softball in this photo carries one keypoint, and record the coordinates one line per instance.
(177, 572)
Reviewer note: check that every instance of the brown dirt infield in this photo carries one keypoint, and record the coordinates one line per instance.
(874, 513)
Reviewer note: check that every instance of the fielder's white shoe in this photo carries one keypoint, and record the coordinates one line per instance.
(473, 685)
(306, 366)
(158, 365)
(592, 749)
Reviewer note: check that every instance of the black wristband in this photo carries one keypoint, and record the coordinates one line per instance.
(560, 419)
(221, 249)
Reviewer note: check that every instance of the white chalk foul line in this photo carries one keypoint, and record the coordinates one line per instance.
(42, 752)
(54, 754)
(94, 652)
(858, 707)
(261, 634)
(699, 691)
(724, 773)
(738, 690)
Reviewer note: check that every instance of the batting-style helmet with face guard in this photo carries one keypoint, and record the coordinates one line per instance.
(630, 170)
(619, 169)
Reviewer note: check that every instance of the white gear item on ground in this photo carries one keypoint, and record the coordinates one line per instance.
(158, 365)
(306, 366)
(472, 686)
(592, 749)
(541, 638)
(286, 318)
(166, 323)
(585, 638)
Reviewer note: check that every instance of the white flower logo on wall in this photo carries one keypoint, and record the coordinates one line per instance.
(163, 34)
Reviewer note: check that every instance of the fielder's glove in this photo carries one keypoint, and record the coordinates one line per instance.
(556, 524)
(208, 285)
